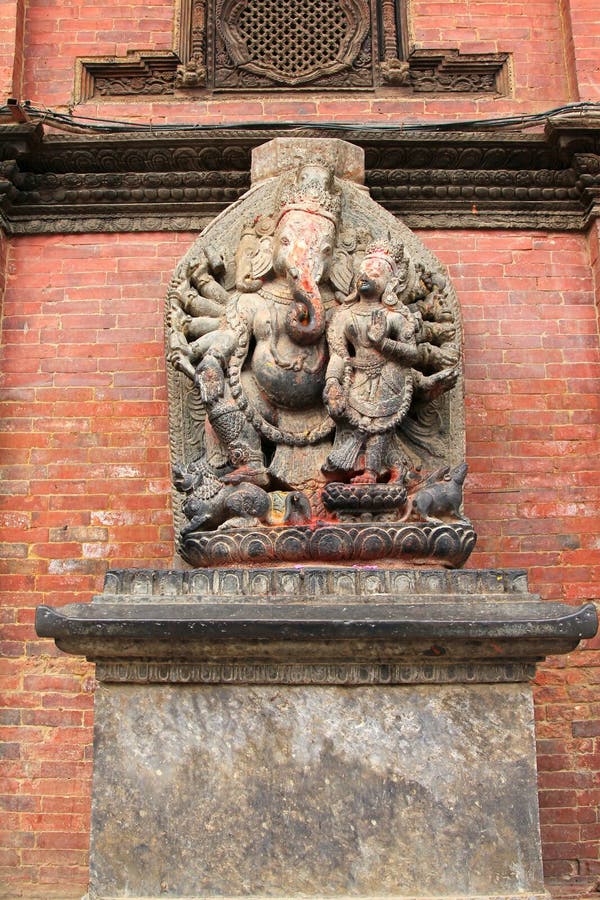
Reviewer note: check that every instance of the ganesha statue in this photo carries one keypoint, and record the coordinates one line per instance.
(315, 379)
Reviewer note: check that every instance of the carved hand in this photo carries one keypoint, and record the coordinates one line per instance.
(179, 354)
(207, 287)
(443, 357)
(377, 330)
(177, 319)
(442, 381)
(334, 398)
(209, 379)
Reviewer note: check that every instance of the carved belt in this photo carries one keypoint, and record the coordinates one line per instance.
(377, 409)
(372, 367)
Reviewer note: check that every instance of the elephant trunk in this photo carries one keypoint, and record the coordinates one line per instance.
(305, 321)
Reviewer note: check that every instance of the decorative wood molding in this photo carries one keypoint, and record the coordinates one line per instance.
(425, 71)
(217, 47)
(140, 72)
(178, 181)
(450, 71)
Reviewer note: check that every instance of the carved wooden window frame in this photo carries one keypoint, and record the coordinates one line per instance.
(209, 56)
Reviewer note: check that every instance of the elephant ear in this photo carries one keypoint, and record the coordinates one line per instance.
(342, 271)
(263, 258)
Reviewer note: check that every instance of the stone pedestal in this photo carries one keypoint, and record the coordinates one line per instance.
(330, 732)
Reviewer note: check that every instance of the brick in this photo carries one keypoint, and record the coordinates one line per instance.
(68, 840)
(78, 534)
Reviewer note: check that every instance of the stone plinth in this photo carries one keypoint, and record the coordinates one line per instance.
(276, 156)
(322, 732)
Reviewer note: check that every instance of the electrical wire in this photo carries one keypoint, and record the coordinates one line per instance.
(89, 124)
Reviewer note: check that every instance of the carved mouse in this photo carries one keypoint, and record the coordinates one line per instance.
(440, 496)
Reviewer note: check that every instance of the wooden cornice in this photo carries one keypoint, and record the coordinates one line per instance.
(55, 182)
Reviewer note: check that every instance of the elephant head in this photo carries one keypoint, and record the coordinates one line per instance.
(302, 248)
(300, 239)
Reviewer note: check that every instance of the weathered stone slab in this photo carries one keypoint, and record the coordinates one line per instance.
(266, 791)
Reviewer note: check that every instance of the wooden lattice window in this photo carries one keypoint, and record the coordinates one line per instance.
(291, 45)
(299, 44)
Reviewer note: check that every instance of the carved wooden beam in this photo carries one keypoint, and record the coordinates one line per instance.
(178, 181)
(162, 72)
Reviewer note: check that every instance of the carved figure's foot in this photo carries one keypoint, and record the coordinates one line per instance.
(239, 522)
(252, 474)
(328, 467)
(367, 477)
(397, 475)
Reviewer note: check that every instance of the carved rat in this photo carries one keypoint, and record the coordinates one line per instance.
(441, 495)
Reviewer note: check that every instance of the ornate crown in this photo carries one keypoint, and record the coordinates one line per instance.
(391, 251)
(312, 191)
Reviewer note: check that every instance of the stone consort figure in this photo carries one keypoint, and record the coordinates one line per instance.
(373, 374)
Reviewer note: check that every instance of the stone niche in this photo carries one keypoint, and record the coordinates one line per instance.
(324, 704)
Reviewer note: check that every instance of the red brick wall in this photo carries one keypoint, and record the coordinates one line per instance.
(86, 468)
(584, 22)
(86, 482)
(84, 450)
(12, 18)
(532, 362)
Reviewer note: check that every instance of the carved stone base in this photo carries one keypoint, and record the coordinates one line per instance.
(315, 732)
(364, 499)
(435, 545)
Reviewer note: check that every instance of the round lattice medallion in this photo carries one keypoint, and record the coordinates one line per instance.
(297, 41)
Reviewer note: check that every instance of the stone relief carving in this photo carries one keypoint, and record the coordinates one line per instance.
(326, 582)
(376, 368)
(315, 354)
